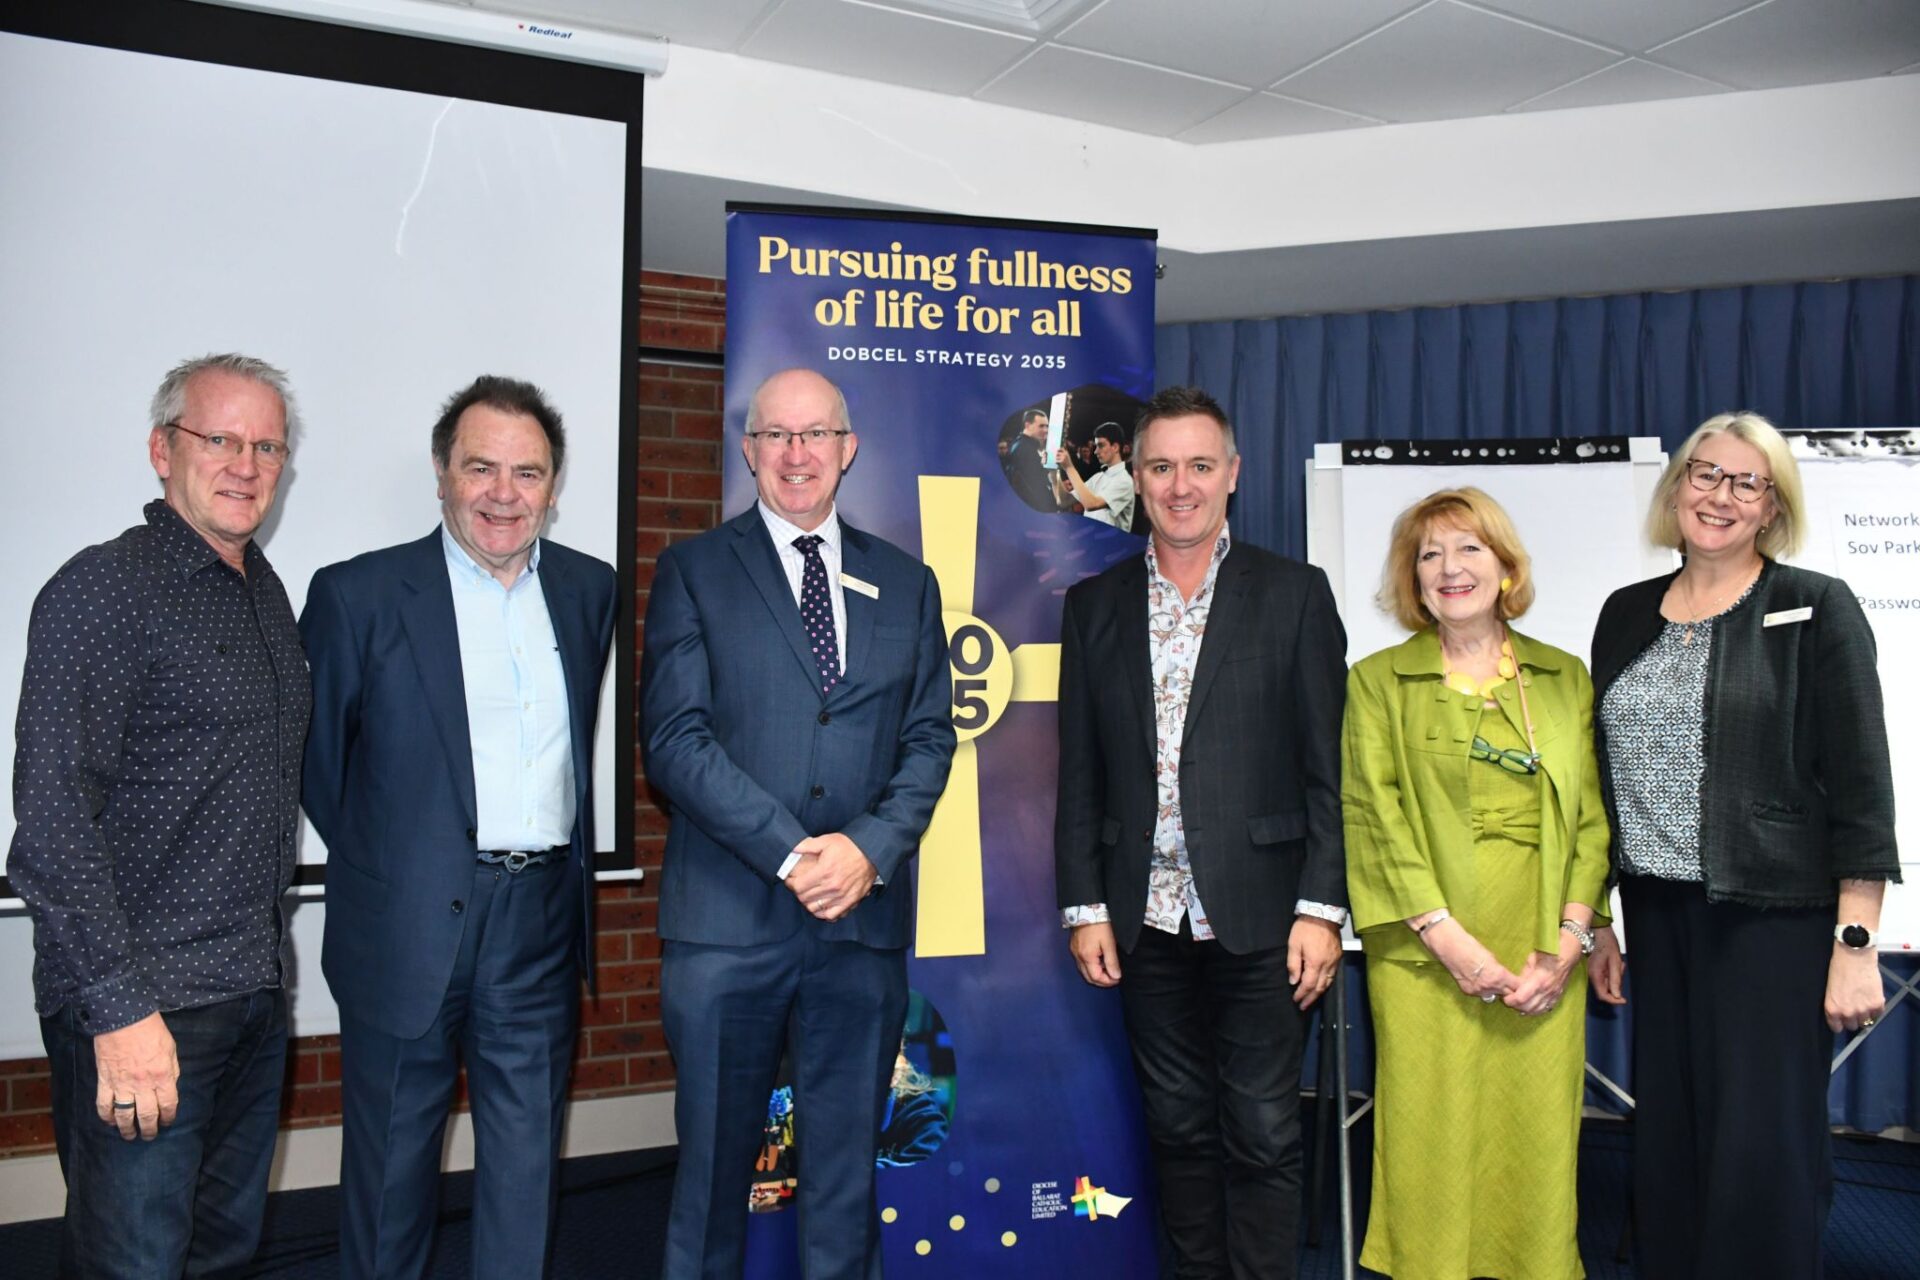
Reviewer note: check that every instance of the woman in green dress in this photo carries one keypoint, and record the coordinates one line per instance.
(1477, 866)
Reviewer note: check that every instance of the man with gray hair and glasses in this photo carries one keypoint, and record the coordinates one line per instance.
(156, 786)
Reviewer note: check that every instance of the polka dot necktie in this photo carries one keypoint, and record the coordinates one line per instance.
(816, 610)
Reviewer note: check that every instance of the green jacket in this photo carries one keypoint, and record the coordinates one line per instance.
(1405, 753)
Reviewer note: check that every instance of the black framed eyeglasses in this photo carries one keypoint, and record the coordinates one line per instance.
(1505, 758)
(270, 454)
(1707, 476)
(812, 437)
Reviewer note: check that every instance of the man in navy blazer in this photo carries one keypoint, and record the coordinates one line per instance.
(796, 713)
(449, 772)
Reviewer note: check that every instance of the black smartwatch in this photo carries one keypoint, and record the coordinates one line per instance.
(1855, 937)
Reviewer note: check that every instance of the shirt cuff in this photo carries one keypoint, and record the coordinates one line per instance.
(111, 1005)
(1092, 913)
(1320, 911)
(786, 868)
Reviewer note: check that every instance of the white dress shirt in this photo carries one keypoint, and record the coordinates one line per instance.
(517, 716)
(783, 532)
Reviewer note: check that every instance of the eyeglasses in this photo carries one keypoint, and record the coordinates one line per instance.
(270, 454)
(813, 437)
(1706, 477)
(1504, 758)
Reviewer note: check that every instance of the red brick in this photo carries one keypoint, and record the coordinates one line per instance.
(604, 1011)
(311, 1101)
(678, 394)
(646, 946)
(653, 484)
(694, 424)
(649, 852)
(23, 1067)
(21, 1134)
(615, 1042)
(648, 820)
(303, 1068)
(601, 1073)
(654, 421)
(609, 946)
(29, 1093)
(643, 1008)
(681, 332)
(620, 979)
(679, 455)
(330, 1065)
(648, 544)
(650, 1068)
(622, 916)
(651, 513)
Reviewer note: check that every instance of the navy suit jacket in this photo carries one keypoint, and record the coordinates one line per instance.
(389, 768)
(753, 758)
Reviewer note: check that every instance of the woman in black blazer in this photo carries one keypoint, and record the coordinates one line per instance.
(1743, 752)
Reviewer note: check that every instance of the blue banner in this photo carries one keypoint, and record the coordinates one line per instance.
(980, 363)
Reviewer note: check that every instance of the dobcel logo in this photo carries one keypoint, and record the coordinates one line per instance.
(1094, 1203)
(987, 675)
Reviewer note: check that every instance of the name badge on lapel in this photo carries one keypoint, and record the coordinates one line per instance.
(866, 589)
(1785, 616)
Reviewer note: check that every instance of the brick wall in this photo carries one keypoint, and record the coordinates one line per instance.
(621, 1049)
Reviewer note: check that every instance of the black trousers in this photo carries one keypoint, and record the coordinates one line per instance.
(1216, 1046)
(1732, 1162)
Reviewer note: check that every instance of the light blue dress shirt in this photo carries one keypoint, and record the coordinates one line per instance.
(516, 705)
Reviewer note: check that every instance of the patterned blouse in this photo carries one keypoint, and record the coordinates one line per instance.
(1655, 719)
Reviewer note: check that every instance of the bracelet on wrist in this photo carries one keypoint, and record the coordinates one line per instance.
(1580, 931)
(1420, 930)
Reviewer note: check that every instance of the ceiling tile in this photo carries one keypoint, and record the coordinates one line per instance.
(1788, 42)
(1249, 42)
(1126, 95)
(1631, 80)
(709, 24)
(1444, 62)
(1633, 26)
(876, 43)
(1267, 115)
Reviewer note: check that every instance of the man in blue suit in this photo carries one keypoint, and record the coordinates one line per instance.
(796, 712)
(449, 769)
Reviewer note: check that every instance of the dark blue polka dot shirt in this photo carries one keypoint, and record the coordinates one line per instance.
(156, 780)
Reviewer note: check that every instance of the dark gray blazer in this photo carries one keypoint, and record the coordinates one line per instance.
(1260, 753)
(1798, 792)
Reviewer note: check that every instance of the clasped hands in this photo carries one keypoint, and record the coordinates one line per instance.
(1535, 990)
(832, 875)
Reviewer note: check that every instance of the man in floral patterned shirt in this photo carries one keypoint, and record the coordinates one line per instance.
(1197, 835)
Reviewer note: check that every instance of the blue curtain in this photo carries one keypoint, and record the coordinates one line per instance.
(1839, 354)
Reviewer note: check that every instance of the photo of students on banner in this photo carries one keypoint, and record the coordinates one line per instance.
(1082, 466)
(918, 1118)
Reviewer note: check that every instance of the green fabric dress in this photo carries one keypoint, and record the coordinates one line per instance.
(1477, 1109)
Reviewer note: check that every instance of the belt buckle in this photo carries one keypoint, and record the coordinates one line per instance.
(516, 861)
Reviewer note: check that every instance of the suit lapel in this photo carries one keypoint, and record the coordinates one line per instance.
(1223, 620)
(754, 546)
(1136, 651)
(856, 559)
(570, 634)
(427, 614)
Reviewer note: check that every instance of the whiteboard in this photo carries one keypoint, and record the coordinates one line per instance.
(1580, 521)
(1864, 527)
(383, 246)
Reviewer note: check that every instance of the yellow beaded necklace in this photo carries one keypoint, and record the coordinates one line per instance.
(1461, 682)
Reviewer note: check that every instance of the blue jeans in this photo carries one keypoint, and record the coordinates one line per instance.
(188, 1203)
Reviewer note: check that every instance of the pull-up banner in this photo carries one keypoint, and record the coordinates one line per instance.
(982, 364)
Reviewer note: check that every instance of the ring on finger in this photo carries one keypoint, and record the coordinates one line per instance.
(122, 1106)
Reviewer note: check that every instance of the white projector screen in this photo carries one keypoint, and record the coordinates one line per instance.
(383, 217)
